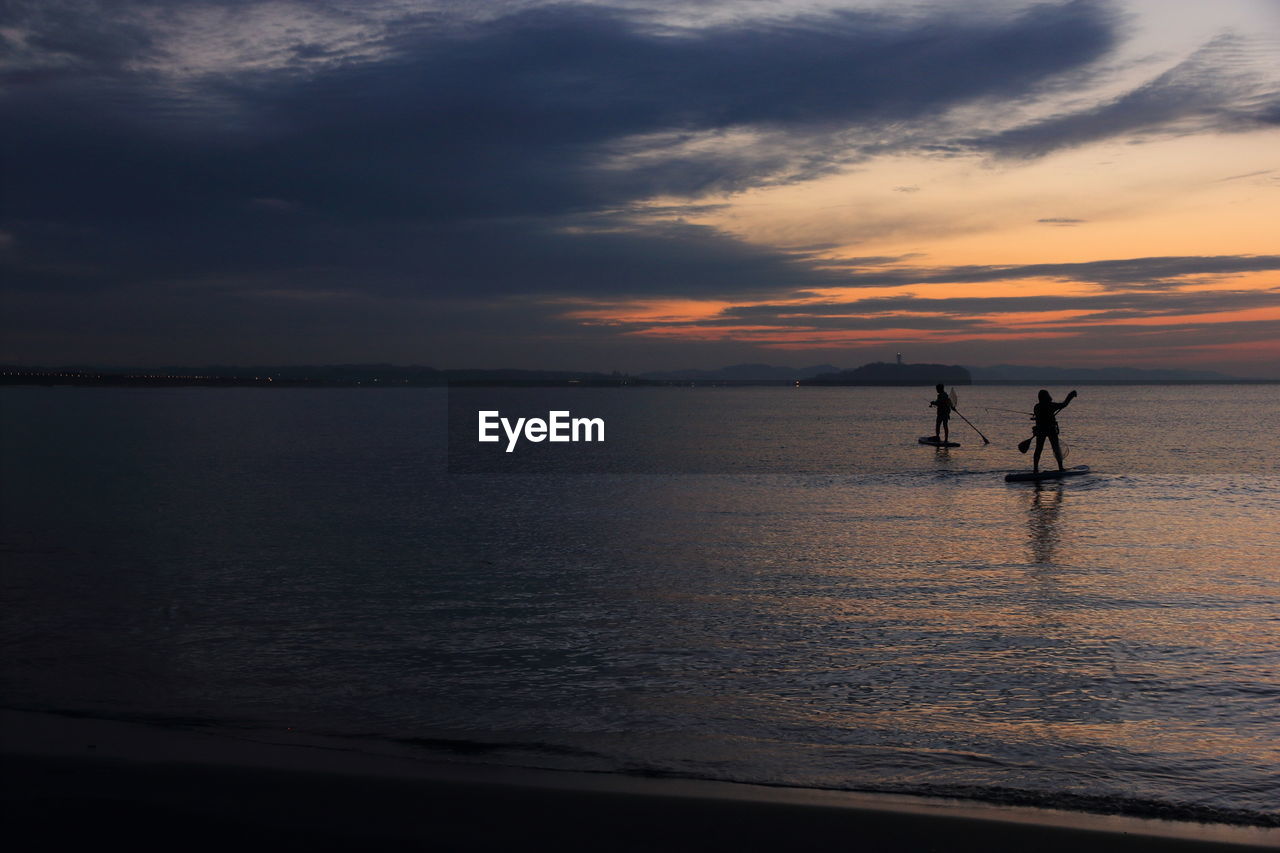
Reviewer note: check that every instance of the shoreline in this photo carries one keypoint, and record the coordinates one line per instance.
(79, 779)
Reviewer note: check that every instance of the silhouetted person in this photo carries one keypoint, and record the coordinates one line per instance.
(1046, 415)
(943, 402)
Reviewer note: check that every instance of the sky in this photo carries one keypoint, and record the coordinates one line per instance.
(637, 185)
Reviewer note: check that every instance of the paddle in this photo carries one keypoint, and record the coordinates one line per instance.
(954, 399)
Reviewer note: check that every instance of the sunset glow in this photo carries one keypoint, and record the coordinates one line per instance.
(549, 185)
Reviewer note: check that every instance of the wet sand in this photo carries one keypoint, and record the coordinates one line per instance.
(83, 781)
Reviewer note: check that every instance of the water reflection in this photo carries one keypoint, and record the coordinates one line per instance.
(1042, 521)
(884, 623)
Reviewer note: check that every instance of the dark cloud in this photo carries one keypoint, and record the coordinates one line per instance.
(479, 158)
(56, 39)
(1256, 174)
(1158, 273)
(917, 312)
(1210, 91)
(869, 319)
(467, 161)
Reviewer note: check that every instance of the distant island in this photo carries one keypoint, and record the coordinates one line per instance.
(895, 373)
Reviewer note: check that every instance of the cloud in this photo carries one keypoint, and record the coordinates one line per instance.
(1156, 273)
(1257, 174)
(910, 310)
(479, 157)
(47, 40)
(1217, 89)
(1156, 327)
(214, 156)
(277, 204)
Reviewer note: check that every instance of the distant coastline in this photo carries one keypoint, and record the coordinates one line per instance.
(393, 376)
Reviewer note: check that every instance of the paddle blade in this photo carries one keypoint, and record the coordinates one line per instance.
(1023, 446)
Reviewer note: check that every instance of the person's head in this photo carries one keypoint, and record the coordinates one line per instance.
(939, 387)
(1044, 396)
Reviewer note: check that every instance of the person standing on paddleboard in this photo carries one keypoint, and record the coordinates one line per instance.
(1046, 426)
(940, 423)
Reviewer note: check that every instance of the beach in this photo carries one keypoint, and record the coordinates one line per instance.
(84, 781)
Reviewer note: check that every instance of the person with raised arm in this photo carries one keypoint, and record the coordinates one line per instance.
(1045, 414)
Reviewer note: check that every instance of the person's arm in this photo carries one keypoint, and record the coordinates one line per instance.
(1067, 401)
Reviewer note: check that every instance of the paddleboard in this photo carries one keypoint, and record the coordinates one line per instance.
(937, 442)
(1055, 474)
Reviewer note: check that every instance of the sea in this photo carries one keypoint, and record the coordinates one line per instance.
(768, 585)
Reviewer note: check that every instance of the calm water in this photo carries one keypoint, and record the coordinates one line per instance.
(832, 605)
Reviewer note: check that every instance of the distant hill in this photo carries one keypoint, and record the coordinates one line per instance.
(741, 373)
(888, 373)
(1017, 373)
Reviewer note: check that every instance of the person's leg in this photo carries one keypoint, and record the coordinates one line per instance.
(1057, 449)
(937, 425)
(946, 429)
(1035, 460)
